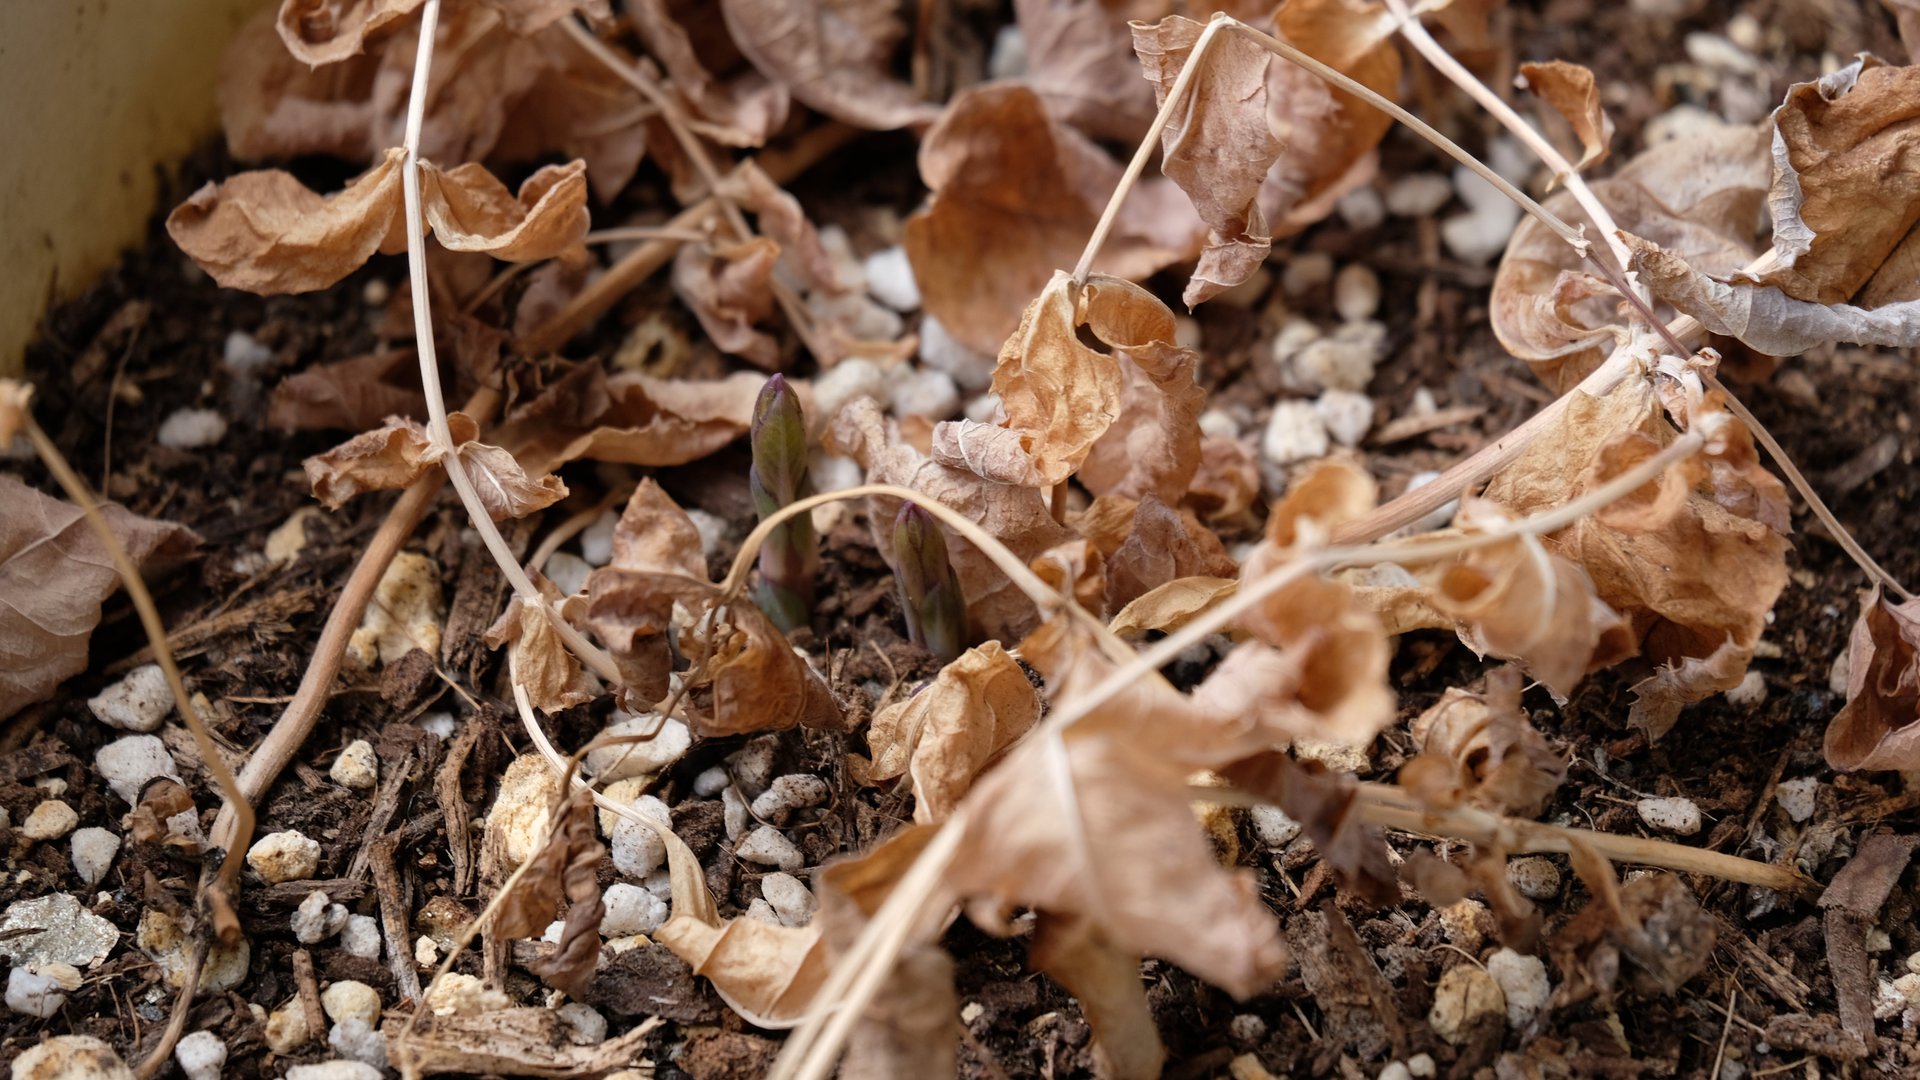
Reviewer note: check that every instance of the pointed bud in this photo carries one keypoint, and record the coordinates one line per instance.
(929, 589)
(779, 477)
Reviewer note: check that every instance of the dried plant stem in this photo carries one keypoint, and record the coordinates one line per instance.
(696, 152)
(636, 266)
(1838, 531)
(1392, 807)
(226, 886)
(590, 654)
(1176, 98)
(1044, 596)
(858, 973)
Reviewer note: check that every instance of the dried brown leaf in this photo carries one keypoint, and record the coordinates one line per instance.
(469, 210)
(947, 732)
(781, 219)
(833, 56)
(320, 32)
(1700, 197)
(1017, 517)
(1572, 92)
(567, 865)
(1015, 195)
(652, 421)
(1164, 544)
(351, 395)
(552, 675)
(1216, 145)
(1479, 748)
(1104, 978)
(729, 288)
(1327, 136)
(1154, 445)
(1080, 62)
(503, 485)
(274, 105)
(1876, 728)
(738, 112)
(1227, 482)
(391, 456)
(1172, 605)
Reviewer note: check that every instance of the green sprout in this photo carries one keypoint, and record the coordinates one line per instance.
(779, 477)
(929, 589)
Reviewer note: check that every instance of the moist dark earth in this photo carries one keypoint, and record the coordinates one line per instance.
(1846, 416)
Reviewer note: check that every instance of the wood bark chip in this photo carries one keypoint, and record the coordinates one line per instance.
(1852, 903)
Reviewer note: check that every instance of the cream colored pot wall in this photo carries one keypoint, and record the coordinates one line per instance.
(93, 94)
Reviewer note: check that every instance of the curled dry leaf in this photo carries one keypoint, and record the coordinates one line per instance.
(1572, 92)
(729, 288)
(946, 733)
(567, 866)
(1154, 445)
(1327, 136)
(1227, 482)
(745, 676)
(396, 454)
(1104, 977)
(1172, 605)
(1017, 517)
(1216, 145)
(1877, 728)
(743, 111)
(351, 395)
(832, 55)
(1719, 571)
(1058, 395)
(651, 421)
(1480, 749)
(327, 31)
(1080, 63)
(267, 233)
(1701, 198)
(552, 675)
(1015, 195)
(1164, 544)
(54, 575)
(1324, 803)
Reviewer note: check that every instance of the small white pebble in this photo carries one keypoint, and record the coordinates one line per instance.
(790, 898)
(710, 782)
(1361, 208)
(284, 856)
(356, 767)
(286, 1029)
(1273, 827)
(128, 765)
(1295, 432)
(637, 848)
(1913, 963)
(589, 1027)
(1395, 1070)
(1535, 877)
(1246, 1028)
(795, 791)
(752, 764)
(1218, 424)
(631, 910)
(361, 937)
(375, 292)
(863, 319)
(70, 1057)
(1418, 195)
(733, 809)
(440, 725)
(890, 279)
(348, 999)
(1751, 691)
(932, 394)
(1477, 237)
(847, 381)
(454, 994)
(243, 353)
(201, 1055)
(1422, 1066)
(93, 849)
(1348, 416)
(567, 571)
(192, 429)
(972, 371)
(425, 952)
(335, 1070)
(661, 742)
(596, 540)
(1342, 360)
(1523, 982)
(1186, 331)
(1464, 995)
(984, 409)
(767, 846)
(50, 820)
(1356, 292)
(1798, 797)
(1306, 272)
(1878, 940)
(1674, 815)
(357, 1039)
(39, 990)
(761, 911)
(317, 919)
(138, 702)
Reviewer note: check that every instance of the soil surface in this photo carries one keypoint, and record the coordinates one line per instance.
(1765, 1003)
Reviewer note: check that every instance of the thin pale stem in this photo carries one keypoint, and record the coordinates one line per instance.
(590, 654)
(227, 884)
(1814, 503)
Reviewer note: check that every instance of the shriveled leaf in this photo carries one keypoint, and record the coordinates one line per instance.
(565, 867)
(391, 456)
(1876, 729)
(766, 972)
(1079, 61)
(1171, 605)
(1017, 517)
(833, 55)
(743, 111)
(1327, 136)
(1659, 697)
(552, 675)
(503, 485)
(1227, 482)
(729, 288)
(1216, 145)
(1104, 978)
(470, 210)
(1719, 572)
(352, 395)
(1700, 197)
(1154, 445)
(1015, 194)
(1163, 544)
(1078, 570)
(946, 733)
(1480, 749)
(1324, 804)
(327, 31)
(54, 575)
(651, 421)
(653, 536)
(272, 104)
(265, 232)
(781, 219)
(1571, 90)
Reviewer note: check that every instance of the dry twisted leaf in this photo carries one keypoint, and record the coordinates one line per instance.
(1479, 748)
(947, 732)
(1572, 92)
(831, 54)
(1877, 728)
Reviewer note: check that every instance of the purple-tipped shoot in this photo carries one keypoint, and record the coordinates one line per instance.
(929, 589)
(779, 477)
